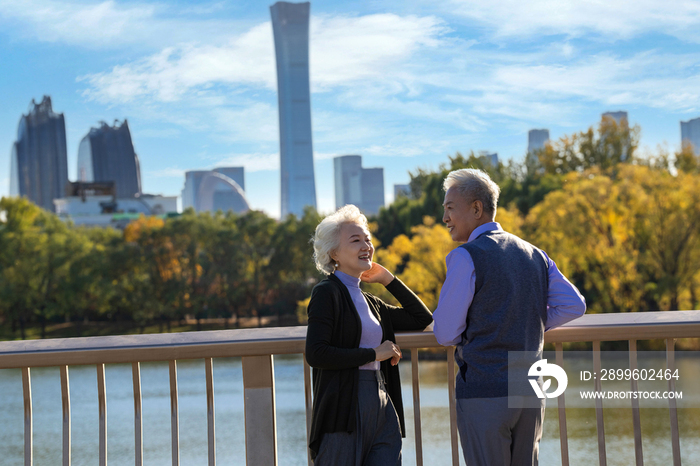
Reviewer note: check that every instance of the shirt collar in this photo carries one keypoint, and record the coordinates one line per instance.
(481, 229)
(348, 280)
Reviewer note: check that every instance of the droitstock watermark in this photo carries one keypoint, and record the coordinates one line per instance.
(615, 380)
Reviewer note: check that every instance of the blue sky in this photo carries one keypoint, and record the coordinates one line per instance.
(402, 83)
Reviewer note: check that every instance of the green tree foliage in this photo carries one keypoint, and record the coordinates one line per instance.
(624, 228)
(196, 265)
(630, 240)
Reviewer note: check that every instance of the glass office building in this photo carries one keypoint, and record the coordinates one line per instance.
(536, 139)
(38, 159)
(690, 133)
(363, 187)
(107, 154)
(290, 25)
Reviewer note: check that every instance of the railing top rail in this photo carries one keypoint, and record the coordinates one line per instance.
(290, 340)
(628, 326)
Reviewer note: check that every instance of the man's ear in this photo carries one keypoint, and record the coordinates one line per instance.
(478, 207)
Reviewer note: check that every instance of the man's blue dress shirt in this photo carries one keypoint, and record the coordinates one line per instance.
(564, 302)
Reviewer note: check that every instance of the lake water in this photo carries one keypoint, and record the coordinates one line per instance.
(291, 426)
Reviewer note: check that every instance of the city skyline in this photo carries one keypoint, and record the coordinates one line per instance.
(403, 84)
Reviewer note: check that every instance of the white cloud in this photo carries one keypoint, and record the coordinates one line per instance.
(648, 78)
(72, 22)
(348, 49)
(254, 121)
(610, 18)
(343, 50)
(106, 24)
(253, 162)
(170, 172)
(177, 71)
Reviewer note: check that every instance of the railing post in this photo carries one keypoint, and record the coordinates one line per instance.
(416, 407)
(452, 393)
(600, 424)
(211, 422)
(28, 426)
(102, 406)
(260, 415)
(138, 414)
(65, 398)
(636, 418)
(309, 407)
(174, 414)
(561, 408)
(673, 412)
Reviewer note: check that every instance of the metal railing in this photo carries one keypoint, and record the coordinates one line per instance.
(256, 348)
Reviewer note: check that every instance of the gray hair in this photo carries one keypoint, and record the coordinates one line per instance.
(327, 237)
(474, 185)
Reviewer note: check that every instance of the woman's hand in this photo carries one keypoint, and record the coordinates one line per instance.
(387, 350)
(377, 274)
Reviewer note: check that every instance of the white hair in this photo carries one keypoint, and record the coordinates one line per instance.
(327, 237)
(474, 185)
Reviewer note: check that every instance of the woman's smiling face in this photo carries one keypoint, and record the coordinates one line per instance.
(355, 251)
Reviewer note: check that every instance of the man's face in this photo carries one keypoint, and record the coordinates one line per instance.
(461, 216)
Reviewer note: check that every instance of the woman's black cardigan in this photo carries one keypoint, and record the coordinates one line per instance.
(332, 349)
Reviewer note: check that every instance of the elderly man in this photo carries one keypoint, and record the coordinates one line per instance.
(500, 295)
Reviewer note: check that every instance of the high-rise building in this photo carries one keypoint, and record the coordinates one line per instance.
(372, 190)
(617, 116)
(489, 158)
(107, 154)
(290, 25)
(536, 139)
(690, 133)
(38, 161)
(620, 117)
(363, 187)
(347, 172)
(212, 190)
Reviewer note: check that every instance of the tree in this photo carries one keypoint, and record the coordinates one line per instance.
(419, 261)
(586, 228)
(257, 230)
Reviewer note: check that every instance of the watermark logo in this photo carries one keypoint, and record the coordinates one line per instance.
(545, 369)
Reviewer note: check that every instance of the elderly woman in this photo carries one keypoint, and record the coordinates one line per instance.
(358, 412)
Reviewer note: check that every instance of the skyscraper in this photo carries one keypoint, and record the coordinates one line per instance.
(107, 154)
(489, 158)
(363, 187)
(347, 171)
(620, 117)
(536, 139)
(690, 133)
(38, 161)
(290, 25)
(617, 116)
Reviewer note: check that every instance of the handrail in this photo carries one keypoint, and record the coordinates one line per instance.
(291, 340)
(257, 347)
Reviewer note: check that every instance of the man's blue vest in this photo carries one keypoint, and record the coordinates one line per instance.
(508, 313)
